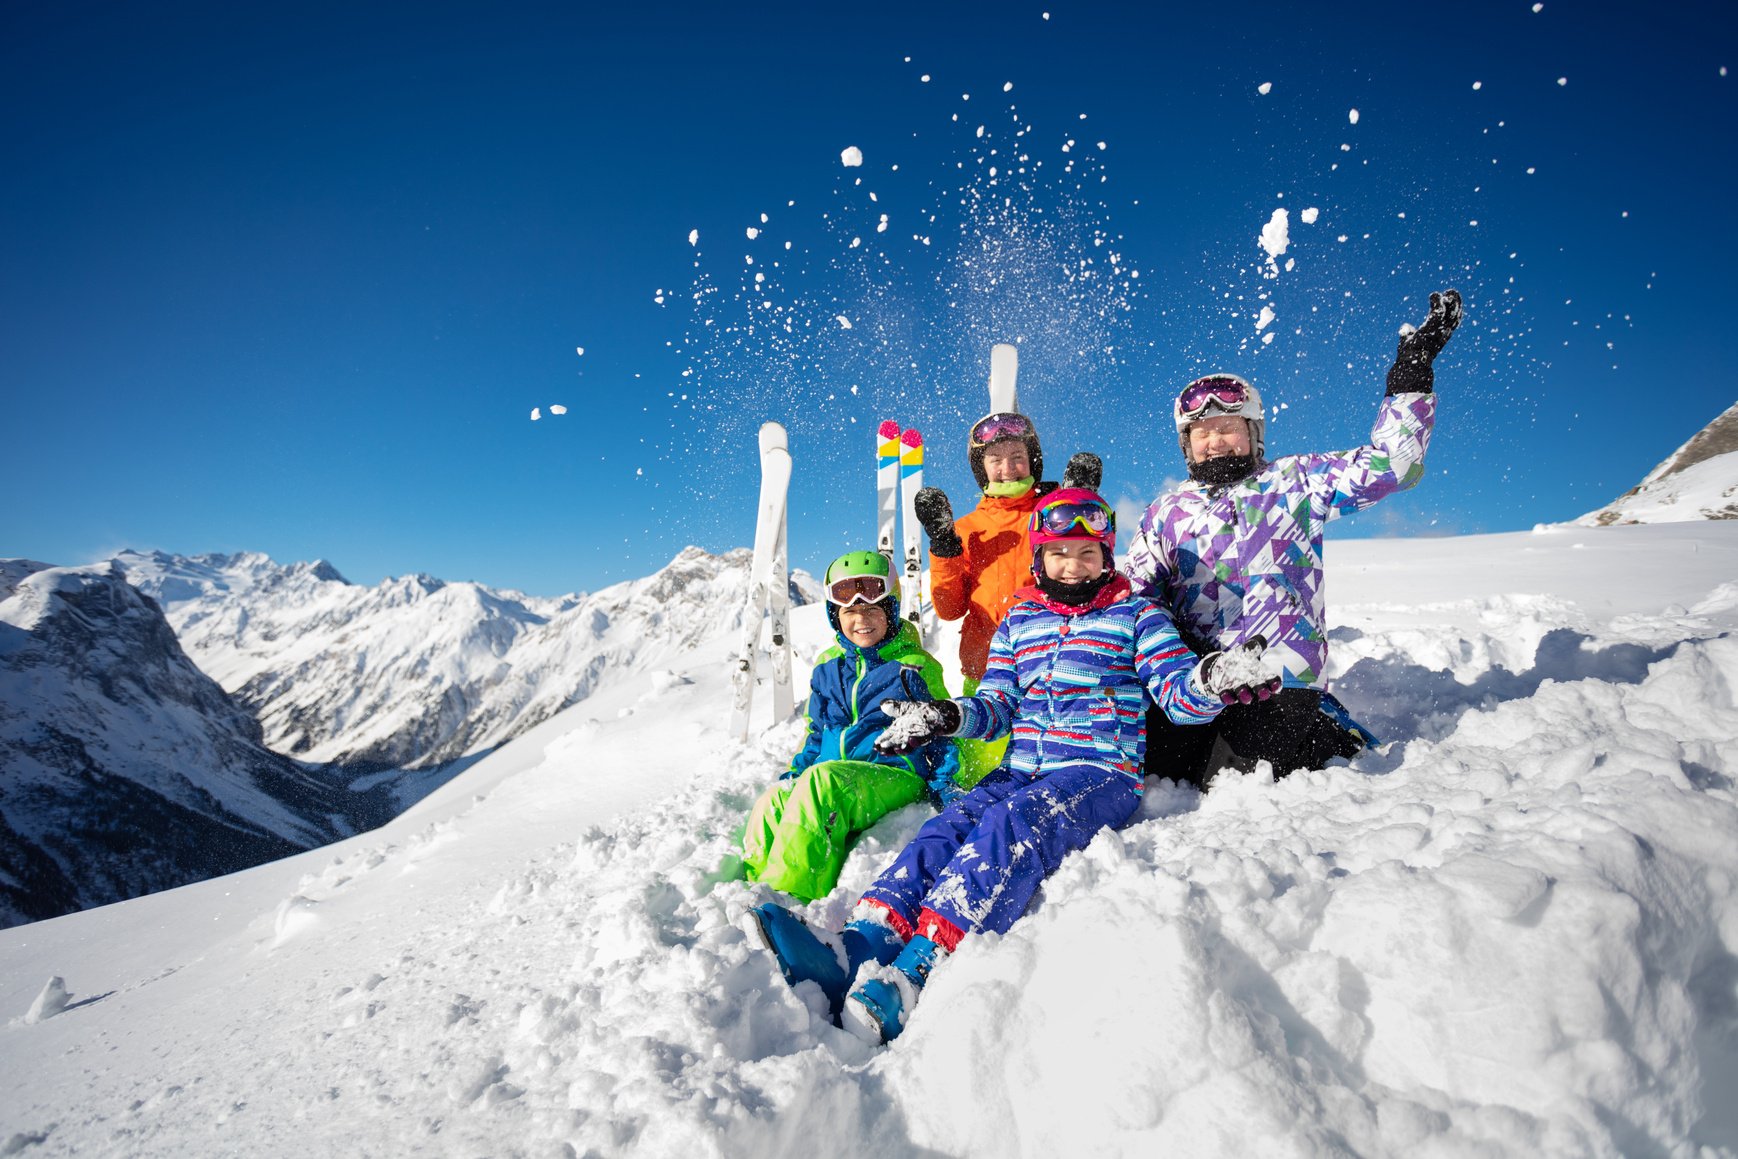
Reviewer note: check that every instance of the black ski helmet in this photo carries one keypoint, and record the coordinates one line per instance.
(1010, 422)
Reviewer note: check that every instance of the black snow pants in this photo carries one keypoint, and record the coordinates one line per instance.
(1288, 729)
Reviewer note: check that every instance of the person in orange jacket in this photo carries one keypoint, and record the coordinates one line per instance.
(978, 562)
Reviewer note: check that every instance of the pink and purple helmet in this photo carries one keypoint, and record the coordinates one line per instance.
(1072, 513)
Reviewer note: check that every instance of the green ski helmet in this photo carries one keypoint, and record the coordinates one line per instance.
(862, 577)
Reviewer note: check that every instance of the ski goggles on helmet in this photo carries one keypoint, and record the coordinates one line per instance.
(998, 427)
(1061, 518)
(1223, 392)
(853, 589)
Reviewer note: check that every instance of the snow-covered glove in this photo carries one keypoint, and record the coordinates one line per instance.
(1418, 348)
(936, 515)
(1242, 675)
(1084, 470)
(916, 723)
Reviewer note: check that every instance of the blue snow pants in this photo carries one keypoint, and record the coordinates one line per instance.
(978, 862)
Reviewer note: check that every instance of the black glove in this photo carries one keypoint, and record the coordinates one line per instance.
(936, 515)
(1084, 470)
(915, 724)
(1237, 676)
(1411, 370)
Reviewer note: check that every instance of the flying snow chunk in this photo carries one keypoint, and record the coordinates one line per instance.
(1265, 319)
(579, 350)
(844, 322)
(536, 413)
(851, 157)
(1275, 237)
(1352, 116)
(557, 409)
(693, 237)
(752, 233)
(1477, 85)
(1309, 215)
(1009, 87)
(1538, 7)
(1264, 87)
(1561, 81)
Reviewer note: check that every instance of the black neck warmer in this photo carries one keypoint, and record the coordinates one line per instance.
(1075, 595)
(1223, 471)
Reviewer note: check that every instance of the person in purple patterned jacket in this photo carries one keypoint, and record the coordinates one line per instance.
(1236, 553)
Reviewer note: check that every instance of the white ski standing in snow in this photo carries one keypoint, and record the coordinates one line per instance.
(910, 481)
(768, 588)
(1004, 369)
(886, 485)
(778, 582)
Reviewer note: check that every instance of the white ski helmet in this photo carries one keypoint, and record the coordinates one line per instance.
(1220, 394)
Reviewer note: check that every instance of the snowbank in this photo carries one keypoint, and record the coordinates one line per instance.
(1514, 931)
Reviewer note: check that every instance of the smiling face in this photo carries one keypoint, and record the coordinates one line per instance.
(865, 625)
(1073, 561)
(1215, 437)
(1006, 461)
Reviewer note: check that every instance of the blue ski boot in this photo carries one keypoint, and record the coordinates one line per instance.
(867, 940)
(878, 1008)
(802, 956)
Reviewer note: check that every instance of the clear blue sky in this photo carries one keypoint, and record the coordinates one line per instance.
(291, 278)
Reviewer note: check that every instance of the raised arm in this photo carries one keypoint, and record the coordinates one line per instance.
(1393, 459)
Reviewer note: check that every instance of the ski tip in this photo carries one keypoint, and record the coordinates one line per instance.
(888, 429)
(912, 438)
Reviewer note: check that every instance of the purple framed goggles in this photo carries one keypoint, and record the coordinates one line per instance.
(998, 427)
(1060, 518)
(1227, 393)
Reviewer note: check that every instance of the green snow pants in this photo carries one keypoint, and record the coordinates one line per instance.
(800, 831)
(978, 758)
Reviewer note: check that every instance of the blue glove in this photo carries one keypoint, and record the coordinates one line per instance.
(946, 790)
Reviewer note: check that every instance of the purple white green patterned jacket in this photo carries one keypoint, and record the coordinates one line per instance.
(1247, 560)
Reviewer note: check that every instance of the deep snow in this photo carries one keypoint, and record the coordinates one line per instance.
(1514, 931)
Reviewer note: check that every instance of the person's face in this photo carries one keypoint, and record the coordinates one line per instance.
(1220, 435)
(1073, 561)
(863, 624)
(1006, 461)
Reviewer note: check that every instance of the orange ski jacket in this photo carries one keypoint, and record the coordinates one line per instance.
(980, 582)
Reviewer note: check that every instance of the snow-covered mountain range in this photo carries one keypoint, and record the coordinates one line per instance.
(1699, 480)
(126, 768)
(1512, 931)
(417, 672)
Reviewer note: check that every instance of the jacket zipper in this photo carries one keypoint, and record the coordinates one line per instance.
(856, 709)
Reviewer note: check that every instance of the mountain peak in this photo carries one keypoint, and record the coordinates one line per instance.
(1697, 481)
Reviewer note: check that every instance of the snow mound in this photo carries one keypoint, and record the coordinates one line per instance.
(1513, 932)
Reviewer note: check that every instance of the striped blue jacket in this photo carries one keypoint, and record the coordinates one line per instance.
(1070, 684)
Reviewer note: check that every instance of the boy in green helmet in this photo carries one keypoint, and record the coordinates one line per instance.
(837, 785)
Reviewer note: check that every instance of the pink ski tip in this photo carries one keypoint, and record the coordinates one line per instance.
(888, 429)
(912, 438)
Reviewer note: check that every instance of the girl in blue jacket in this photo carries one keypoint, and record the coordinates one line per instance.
(1069, 668)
